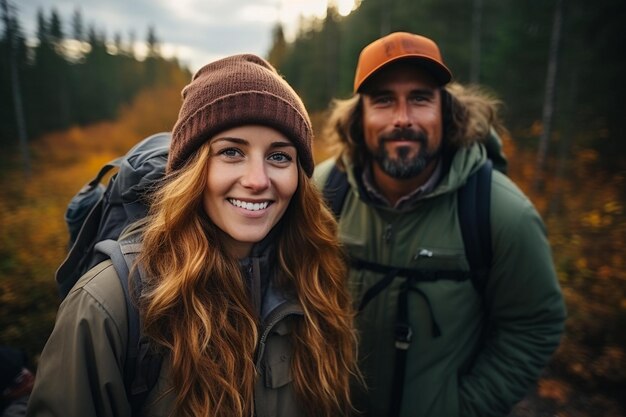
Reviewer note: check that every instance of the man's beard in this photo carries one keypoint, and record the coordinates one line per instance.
(403, 166)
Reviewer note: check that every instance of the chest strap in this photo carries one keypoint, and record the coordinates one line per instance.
(403, 332)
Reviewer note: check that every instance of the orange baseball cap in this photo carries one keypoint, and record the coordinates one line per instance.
(400, 45)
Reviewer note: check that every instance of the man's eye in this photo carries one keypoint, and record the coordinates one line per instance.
(382, 100)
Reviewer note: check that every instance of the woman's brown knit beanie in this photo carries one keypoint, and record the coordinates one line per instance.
(238, 90)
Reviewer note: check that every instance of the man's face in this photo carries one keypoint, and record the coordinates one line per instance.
(402, 123)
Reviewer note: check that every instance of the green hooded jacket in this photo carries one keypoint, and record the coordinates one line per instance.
(492, 347)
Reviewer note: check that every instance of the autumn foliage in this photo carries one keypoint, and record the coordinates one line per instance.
(33, 235)
(584, 212)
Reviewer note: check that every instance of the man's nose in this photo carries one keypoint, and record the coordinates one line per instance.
(401, 115)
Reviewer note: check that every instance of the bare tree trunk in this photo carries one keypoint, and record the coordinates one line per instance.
(565, 143)
(385, 17)
(548, 102)
(476, 42)
(17, 94)
(333, 45)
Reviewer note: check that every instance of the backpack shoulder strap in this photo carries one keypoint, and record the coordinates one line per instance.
(474, 202)
(141, 369)
(335, 189)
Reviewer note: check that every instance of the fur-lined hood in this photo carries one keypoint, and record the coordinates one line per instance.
(476, 115)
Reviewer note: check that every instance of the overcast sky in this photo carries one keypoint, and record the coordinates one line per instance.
(196, 31)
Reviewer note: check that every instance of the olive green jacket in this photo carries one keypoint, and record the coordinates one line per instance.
(465, 370)
(80, 372)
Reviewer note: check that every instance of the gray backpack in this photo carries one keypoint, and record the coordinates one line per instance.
(96, 216)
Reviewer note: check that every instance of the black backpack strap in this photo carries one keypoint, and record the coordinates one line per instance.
(141, 369)
(474, 202)
(335, 189)
(403, 332)
(376, 289)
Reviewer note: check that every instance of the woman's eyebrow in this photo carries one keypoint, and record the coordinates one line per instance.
(231, 139)
(241, 141)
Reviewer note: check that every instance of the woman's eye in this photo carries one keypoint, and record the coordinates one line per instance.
(280, 157)
(230, 152)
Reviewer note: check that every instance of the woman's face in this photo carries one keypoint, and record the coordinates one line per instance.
(252, 175)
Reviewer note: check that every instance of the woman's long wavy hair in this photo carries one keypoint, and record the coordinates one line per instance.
(196, 307)
(467, 112)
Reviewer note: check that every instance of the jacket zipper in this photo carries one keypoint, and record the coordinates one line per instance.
(388, 233)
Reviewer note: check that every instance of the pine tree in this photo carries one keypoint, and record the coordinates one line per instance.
(12, 39)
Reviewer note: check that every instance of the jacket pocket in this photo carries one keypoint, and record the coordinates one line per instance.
(274, 397)
(278, 360)
(451, 394)
(278, 373)
(440, 399)
(440, 258)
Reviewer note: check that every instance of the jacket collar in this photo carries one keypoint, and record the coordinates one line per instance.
(257, 268)
(455, 169)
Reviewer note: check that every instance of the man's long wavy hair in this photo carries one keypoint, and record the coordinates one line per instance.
(468, 113)
(196, 307)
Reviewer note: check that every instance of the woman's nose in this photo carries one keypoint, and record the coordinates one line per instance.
(255, 176)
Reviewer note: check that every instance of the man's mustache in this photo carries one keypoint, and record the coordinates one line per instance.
(404, 134)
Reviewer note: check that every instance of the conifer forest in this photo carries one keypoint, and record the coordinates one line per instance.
(73, 98)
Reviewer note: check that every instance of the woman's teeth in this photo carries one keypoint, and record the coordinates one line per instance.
(249, 206)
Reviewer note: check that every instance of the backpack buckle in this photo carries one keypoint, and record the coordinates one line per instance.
(404, 334)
